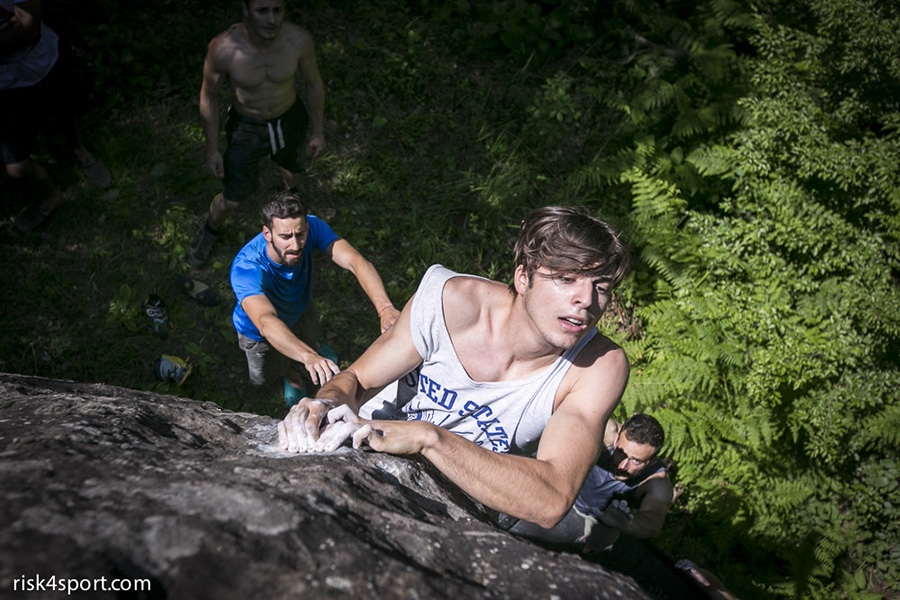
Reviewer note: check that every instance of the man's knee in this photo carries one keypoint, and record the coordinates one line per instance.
(256, 353)
(257, 377)
(220, 209)
(21, 169)
(221, 204)
(291, 180)
(259, 371)
(266, 367)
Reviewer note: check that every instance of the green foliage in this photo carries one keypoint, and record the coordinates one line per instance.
(110, 52)
(673, 87)
(522, 27)
(773, 329)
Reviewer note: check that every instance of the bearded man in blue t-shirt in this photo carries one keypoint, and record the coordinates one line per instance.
(271, 276)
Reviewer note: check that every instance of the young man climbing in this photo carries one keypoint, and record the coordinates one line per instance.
(515, 383)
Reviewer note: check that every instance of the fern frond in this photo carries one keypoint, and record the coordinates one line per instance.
(882, 429)
(713, 160)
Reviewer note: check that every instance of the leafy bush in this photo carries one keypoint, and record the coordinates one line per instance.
(773, 326)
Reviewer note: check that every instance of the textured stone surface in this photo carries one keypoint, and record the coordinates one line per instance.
(99, 481)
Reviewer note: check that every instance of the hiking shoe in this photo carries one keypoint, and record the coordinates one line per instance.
(155, 308)
(199, 291)
(201, 247)
(172, 369)
(293, 395)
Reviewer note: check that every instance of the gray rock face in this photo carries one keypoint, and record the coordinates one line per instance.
(104, 486)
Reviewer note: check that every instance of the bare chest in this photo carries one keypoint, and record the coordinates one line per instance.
(251, 71)
(487, 359)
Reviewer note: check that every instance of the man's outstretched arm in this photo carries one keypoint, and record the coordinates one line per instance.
(278, 335)
(347, 257)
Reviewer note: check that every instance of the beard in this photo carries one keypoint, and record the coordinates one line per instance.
(289, 258)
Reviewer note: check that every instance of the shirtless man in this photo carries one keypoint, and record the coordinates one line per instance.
(259, 58)
(628, 491)
(515, 385)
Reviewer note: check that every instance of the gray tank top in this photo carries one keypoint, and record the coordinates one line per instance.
(502, 416)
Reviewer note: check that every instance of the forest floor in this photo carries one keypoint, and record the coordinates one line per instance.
(74, 289)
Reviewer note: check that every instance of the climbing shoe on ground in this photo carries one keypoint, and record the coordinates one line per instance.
(293, 395)
(155, 308)
(200, 248)
(199, 291)
(172, 369)
(96, 173)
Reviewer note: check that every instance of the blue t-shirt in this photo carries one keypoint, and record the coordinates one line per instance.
(287, 288)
